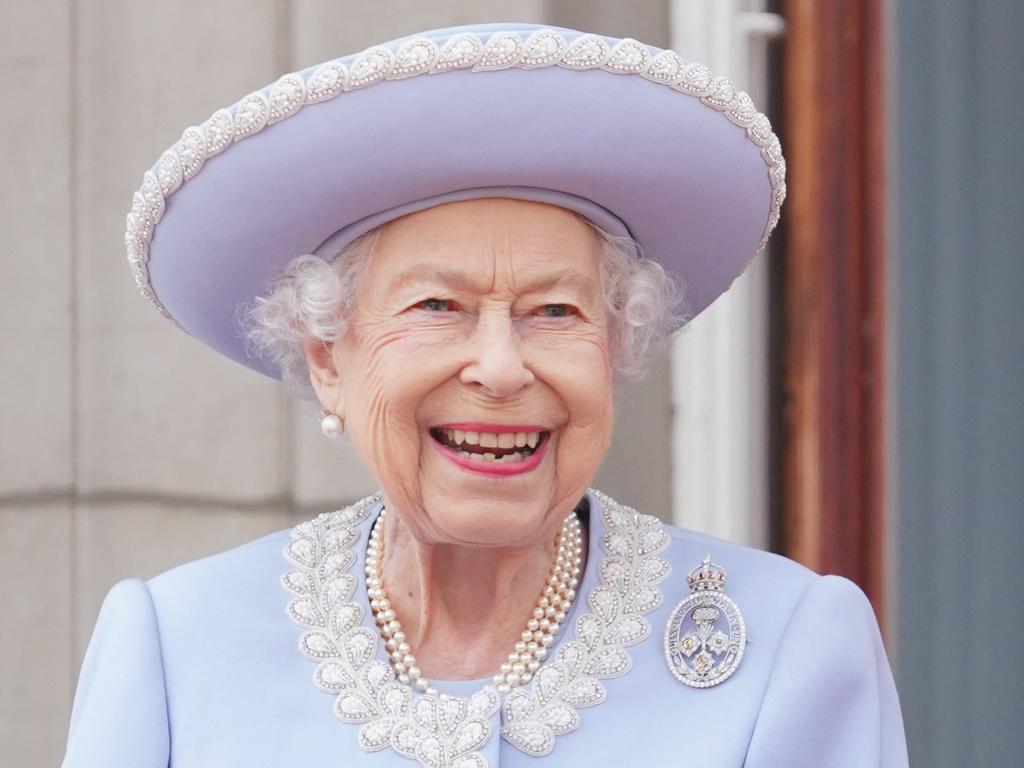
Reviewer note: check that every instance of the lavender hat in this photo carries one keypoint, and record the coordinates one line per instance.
(633, 137)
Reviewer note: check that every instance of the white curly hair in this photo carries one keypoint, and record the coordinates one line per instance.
(312, 298)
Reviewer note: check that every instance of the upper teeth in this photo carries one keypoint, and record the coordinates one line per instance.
(493, 439)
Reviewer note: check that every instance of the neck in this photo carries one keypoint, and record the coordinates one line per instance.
(462, 608)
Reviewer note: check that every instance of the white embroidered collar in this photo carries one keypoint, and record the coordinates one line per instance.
(449, 730)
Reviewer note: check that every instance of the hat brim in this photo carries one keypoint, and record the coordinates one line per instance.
(689, 168)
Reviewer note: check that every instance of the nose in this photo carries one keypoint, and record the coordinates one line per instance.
(496, 365)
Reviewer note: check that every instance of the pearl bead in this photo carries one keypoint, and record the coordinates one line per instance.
(330, 425)
(551, 609)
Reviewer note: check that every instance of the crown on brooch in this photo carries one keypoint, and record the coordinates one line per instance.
(707, 576)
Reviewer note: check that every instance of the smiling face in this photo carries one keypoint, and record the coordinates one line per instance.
(474, 376)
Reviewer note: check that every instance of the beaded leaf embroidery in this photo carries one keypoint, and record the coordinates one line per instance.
(446, 730)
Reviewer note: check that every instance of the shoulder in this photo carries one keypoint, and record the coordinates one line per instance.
(757, 580)
(227, 564)
(812, 648)
(767, 587)
(740, 561)
(222, 586)
(771, 588)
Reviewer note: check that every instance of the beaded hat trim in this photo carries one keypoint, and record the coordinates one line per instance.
(422, 56)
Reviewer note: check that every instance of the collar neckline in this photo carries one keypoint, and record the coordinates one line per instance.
(588, 579)
(619, 586)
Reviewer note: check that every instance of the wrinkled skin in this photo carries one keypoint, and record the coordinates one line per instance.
(487, 310)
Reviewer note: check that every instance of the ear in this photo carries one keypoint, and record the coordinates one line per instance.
(324, 375)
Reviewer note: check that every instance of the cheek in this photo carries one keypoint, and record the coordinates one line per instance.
(389, 373)
(580, 373)
(584, 385)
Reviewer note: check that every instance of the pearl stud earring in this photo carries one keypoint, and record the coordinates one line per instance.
(331, 424)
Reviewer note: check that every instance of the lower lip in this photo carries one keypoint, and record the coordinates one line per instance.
(491, 468)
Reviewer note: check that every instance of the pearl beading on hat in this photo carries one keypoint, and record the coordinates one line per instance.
(530, 650)
(422, 56)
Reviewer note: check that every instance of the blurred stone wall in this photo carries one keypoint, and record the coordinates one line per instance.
(125, 447)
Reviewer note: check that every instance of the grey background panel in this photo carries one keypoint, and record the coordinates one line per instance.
(957, 415)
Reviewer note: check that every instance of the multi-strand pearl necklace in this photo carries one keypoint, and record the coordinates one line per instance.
(530, 650)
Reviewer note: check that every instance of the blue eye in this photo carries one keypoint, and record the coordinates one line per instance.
(437, 305)
(557, 310)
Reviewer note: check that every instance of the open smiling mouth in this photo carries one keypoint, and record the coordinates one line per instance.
(491, 447)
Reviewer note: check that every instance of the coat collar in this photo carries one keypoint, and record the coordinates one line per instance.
(620, 587)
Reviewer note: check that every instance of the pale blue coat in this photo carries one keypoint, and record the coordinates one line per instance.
(200, 667)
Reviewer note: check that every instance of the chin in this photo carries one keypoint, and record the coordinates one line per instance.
(489, 522)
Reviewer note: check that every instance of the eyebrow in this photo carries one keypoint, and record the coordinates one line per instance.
(456, 280)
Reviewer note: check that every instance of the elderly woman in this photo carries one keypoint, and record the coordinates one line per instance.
(457, 243)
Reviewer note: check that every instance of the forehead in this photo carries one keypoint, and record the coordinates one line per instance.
(487, 238)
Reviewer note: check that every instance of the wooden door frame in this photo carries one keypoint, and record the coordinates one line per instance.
(828, 339)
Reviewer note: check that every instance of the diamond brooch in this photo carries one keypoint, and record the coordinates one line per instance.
(705, 635)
